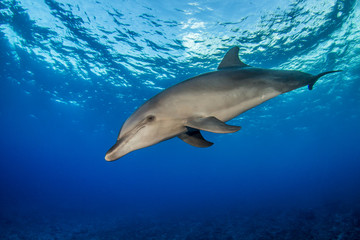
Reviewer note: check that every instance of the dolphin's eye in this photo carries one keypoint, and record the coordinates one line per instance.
(150, 118)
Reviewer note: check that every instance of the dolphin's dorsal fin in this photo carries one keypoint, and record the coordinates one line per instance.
(231, 60)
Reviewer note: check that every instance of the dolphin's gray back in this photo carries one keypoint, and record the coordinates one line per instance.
(225, 93)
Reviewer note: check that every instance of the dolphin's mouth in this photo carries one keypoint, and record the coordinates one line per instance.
(114, 152)
(119, 149)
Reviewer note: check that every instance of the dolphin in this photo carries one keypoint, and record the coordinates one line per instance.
(205, 102)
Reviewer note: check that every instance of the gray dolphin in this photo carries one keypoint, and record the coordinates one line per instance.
(205, 102)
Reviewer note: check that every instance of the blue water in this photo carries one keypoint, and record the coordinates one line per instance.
(72, 72)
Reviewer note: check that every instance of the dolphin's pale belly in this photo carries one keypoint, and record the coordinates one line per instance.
(241, 104)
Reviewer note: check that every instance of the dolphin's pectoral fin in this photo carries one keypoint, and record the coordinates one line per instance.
(194, 138)
(232, 60)
(211, 124)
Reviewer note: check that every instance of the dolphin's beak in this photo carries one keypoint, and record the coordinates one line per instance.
(116, 151)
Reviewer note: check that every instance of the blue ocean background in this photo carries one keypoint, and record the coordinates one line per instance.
(71, 73)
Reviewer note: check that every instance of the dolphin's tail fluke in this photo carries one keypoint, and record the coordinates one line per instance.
(316, 77)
